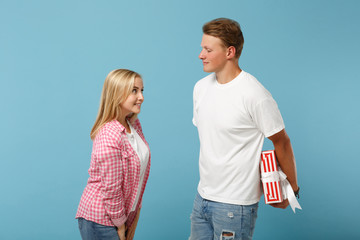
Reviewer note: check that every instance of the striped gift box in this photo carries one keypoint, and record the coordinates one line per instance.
(270, 177)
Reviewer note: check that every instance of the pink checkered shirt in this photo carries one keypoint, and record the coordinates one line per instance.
(114, 177)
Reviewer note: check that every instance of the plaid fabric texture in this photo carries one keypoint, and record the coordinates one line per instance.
(114, 177)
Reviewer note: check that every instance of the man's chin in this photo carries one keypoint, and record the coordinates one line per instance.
(207, 70)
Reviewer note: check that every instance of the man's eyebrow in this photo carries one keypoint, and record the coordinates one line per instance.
(206, 47)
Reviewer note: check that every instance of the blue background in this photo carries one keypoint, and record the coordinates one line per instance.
(55, 55)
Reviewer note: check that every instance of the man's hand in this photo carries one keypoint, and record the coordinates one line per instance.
(282, 204)
(121, 232)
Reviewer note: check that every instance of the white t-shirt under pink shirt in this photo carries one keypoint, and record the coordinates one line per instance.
(143, 153)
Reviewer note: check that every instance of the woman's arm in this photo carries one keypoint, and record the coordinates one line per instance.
(131, 231)
(108, 154)
(121, 232)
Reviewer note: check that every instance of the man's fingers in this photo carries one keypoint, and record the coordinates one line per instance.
(282, 205)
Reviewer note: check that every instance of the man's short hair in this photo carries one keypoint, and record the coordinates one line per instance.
(228, 31)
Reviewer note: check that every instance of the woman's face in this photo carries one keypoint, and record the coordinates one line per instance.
(133, 102)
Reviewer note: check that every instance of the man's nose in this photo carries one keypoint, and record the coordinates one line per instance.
(201, 55)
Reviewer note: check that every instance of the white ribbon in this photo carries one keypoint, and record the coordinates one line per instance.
(286, 189)
(270, 177)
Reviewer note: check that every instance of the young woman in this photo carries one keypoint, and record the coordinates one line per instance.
(120, 162)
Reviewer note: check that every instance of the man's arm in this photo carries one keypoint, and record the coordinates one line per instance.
(286, 159)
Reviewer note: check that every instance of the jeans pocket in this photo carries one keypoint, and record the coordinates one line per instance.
(253, 217)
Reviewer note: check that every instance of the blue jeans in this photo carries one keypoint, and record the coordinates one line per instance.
(93, 231)
(220, 221)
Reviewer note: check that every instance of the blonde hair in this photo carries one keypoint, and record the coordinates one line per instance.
(117, 87)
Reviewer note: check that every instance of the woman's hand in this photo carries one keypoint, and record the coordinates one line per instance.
(121, 232)
(131, 231)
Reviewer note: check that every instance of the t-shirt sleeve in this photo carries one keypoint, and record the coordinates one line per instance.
(194, 119)
(267, 117)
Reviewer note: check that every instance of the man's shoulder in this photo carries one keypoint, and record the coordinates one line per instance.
(248, 78)
(205, 80)
(252, 84)
(252, 90)
(203, 84)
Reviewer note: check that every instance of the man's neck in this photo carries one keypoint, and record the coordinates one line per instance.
(228, 73)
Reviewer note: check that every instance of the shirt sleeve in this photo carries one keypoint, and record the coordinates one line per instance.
(109, 159)
(267, 117)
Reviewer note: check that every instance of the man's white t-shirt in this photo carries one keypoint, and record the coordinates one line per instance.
(232, 121)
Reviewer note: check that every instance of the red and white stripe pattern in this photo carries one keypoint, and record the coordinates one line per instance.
(271, 186)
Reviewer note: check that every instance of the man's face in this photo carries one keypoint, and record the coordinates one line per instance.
(213, 54)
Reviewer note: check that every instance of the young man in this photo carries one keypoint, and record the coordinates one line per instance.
(233, 113)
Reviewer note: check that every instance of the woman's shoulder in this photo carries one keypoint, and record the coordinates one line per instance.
(110, 130)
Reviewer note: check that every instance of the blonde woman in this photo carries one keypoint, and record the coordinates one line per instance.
(120, 162)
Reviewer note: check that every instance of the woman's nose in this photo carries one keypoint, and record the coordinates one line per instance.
(141, 96)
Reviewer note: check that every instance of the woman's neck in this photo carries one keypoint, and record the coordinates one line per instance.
(125, 123)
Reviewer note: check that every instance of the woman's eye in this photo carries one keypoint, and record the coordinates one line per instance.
(134, 91)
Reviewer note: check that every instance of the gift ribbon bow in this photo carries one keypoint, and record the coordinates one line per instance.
(286, 188)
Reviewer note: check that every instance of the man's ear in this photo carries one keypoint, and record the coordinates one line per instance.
(231, 51)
